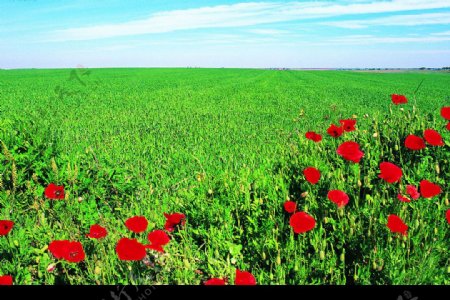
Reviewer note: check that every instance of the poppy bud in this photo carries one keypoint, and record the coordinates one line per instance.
(98, 270)
(263, 255)
(187, 265)
(448, 269)
(80, 199)
(447, 202)
(341, 212)
(435, 230)
(375, 135)
(51, 268)
(322, 255)
(438, 170)
(390, 239)
(296, 268)
(325, 220)
(304, 194)
(233, 261)
(354, 116)
(342, 257)
(359, 183)
(16, 243)
(402, 109)
(351, 231)
(396, 147)
(417, 223)
(380, 268)
(278, 259)
(374, 265)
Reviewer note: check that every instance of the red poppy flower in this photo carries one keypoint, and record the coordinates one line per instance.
(447, 215)
(398, 99)
(350, 151)
(302, 222)
(412, 192)
(348, 125)
(130, 249)
(338, 197)
(313, 136)
(312, 175)
(6, 280)
(395, 224)
(75, 252)
(335, 131)
(429, 189)
(97, 232)
(433, 137)
(290, 206)
(414, 142)
(54, 192)
(244, 278)
(173, 220)
(390, 172)
(445, 112)
(158, 238)
(403, 198)
(70, 251)
(448, 126)
(215, 281)
(137, 224)
(5, 227)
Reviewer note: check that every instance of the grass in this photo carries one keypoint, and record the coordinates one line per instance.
(226, 147)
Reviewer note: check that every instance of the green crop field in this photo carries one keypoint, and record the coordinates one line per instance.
(226, 148)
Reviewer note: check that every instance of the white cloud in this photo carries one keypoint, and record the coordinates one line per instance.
(399, 20)
(369, 39)
(239, 15)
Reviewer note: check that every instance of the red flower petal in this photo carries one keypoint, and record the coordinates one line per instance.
(414, 142)
(172, 220)
(348, 125)
(390, 172)
(350, 151)
(130, 249)
(54, 192)
(398, 99)
(290, 206)
(59, 249)
(312, 175)
(158, 237)
(429, 189)
(448, 126)
(6, 280)
(215, 281)
(244, 278)
(445, 112)
(302, 222)
(137, 224)
(447, 215)
(97, 232)
(433, 137)
(412, 192)
(403, 198)
(335, 131)
(313, 136)
(395, 224)
(338, 197)
(5, 227)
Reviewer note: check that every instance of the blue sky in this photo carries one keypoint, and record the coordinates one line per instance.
(214, 33)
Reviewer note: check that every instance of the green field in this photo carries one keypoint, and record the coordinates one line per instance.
(226, 147)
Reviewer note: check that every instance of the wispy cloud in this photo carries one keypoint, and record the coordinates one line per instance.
(370, 39)
(239, 15)
(399, 20)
